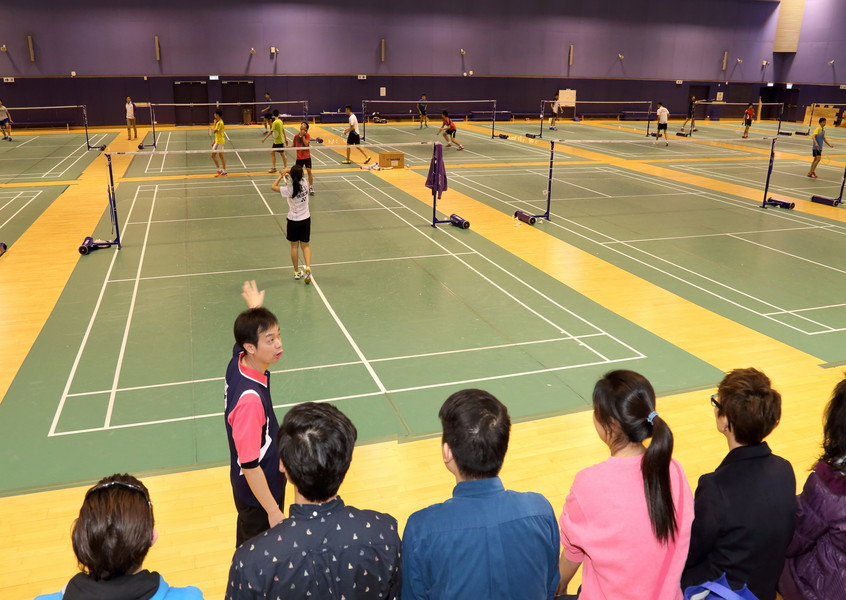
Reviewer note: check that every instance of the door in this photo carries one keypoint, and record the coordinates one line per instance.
(191, 92)
(238, 98)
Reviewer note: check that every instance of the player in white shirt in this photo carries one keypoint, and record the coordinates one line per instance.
(353, 137)
(663, 116)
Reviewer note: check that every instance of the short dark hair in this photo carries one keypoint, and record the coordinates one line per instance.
(275, 113)
(305, 123)
(445, 113)
(114, 529)
(348, 107)
(476, 427)
(822, 119)
(316, 443)
(219, 113)
(834, 429)
(751, 406)
(251, 323)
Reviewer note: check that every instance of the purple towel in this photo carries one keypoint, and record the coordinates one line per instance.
(437, 178)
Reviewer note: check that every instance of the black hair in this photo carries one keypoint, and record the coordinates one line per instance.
(296, 178)
(114, 529)
(476, 427)
(251, 323)
(622, 404)
(219, 113)
(820, 121)
(316, 443)
(751, 406)
(275, 113)
(445, 113)
(306, 124)
(349, 107)
(834, 430)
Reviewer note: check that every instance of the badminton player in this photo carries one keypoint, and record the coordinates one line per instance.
(663, 117)
(280, 140)
(748, 115)
(818, 139)
(556, 107)
(448, 130)
(301, 140)
(219, 130)
(422, 105)
(353, 137)
(5, 122)
(690, 118)
(298, 231)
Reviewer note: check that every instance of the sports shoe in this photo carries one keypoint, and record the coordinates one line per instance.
(682, 129)
(218, 173)
(224, 173)
(311, 192)
(449, 144)
(346, 162)
(745, 137)
(299, 274)
(367, 161)
(427, 126)
(553, 128)
(461, 147)
(667, 144)
(273, 170)
(814, 175)
(308, 275)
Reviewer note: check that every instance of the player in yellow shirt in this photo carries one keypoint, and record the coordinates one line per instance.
(280, 140)
(219, 129)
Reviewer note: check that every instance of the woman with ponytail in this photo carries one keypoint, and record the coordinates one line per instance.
(745, 510)
(627, 519)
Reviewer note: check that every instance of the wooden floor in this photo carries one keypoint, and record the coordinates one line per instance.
(194, 511)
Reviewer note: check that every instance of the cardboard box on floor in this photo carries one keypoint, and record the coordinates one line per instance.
(392, 159)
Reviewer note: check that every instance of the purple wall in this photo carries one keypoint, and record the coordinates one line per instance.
(660, 39)
(517, 50)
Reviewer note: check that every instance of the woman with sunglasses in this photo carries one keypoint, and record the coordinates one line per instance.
(816, 557)
(110, 538)
(744, 512)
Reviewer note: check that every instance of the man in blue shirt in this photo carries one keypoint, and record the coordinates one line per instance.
(485, 541)
(818, 139)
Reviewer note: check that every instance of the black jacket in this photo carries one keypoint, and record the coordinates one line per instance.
(744, 515)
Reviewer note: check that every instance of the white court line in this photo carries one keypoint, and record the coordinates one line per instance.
(462, 382)
(637, 355)
(282, 372)
(14, 214)
(350, 339)
(521, 281)
(84, 342)
(98, 139)
(707, 235)
(130, 312)
(684, 269)
(237, 154)
(328, 264)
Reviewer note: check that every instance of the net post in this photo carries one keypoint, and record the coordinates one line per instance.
(648, 118)
(153, 123)
(549, 183)
(364, 120)
(493, 121)
(780, 117)
(769, 172)
(542, 110)
(305, 111)
(85, 126)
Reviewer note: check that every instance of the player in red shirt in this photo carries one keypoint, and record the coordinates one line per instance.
(748, 115)
(301, 140)
(449, 134)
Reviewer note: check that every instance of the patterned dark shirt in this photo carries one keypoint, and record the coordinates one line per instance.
(322, 551)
